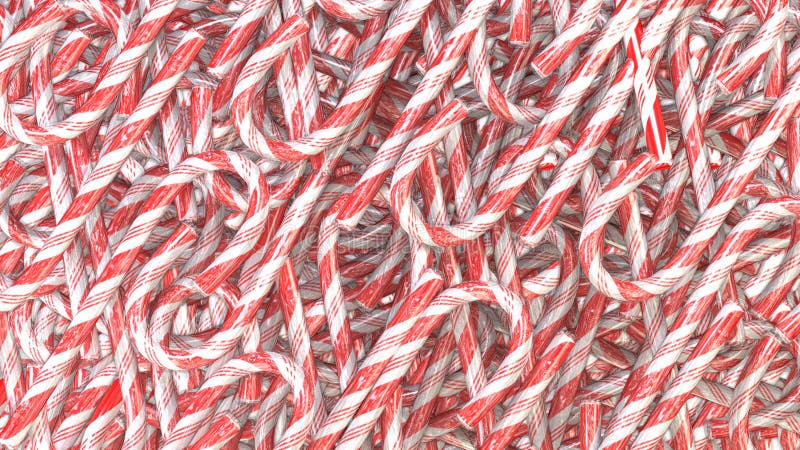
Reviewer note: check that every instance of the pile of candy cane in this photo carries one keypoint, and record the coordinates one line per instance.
(399, 224)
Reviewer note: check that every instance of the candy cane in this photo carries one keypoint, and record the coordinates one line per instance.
(98, 296)
(96, 182)
(682, 326)
(721, 203)
(471, 412)
(374, 364)
(681, 386)
(544, 371)
(210, 208)
(251, 363)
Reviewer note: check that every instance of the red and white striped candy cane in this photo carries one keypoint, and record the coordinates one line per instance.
(691, 372)
(200, 408)
(663, 360)
(333, 296)
(494, 391)
(97, 181)
(724, 199)
(758, 49)
(647, 98)
(543, 373)
(105, 91)
(376, 361)
(62, 360)
(427, 91)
